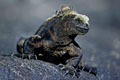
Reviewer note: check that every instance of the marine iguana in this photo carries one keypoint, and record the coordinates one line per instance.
(55, 41)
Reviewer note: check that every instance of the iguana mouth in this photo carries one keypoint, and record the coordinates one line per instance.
(82, 29)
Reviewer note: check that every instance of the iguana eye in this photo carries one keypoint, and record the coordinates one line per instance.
(78, 20)
(73, 16)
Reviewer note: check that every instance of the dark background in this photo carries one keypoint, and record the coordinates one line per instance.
(101, 46)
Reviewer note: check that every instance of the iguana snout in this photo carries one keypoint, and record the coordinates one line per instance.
(80, 23)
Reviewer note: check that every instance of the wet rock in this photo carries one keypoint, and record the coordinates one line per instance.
(13, 68)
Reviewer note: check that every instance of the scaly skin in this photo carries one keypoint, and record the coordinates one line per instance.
(54, 40)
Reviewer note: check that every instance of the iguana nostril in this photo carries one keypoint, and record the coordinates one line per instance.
(86, 27)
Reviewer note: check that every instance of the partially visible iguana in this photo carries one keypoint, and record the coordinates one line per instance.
(55, 41)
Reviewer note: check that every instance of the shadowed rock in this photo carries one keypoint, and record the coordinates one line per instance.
(13, 68)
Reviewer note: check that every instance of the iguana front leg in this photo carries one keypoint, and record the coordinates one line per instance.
(72, 64)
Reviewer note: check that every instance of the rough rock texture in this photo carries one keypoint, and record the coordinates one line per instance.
(13, 68)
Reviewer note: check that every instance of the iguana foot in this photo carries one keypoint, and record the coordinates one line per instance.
(70, 71)
(25, 56)
(29, 56)
(91, 70)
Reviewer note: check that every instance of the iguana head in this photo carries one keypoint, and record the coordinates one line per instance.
(73, 22)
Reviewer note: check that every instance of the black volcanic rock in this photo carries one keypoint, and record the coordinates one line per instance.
(13, 68)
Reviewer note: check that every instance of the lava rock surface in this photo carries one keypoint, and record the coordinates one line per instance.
(14, 68)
